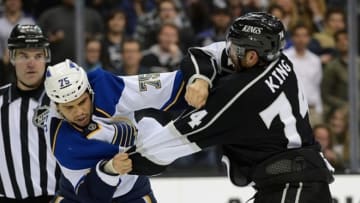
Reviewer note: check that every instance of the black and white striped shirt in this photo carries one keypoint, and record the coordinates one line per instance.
(28, 168)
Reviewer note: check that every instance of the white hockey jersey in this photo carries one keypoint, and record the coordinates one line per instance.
(79, 151)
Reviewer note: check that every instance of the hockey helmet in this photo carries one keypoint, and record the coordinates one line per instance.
(66, 81)
(258, 31)
(28, 36)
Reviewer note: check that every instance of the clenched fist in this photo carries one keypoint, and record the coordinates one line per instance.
(121, 163)
(197, 93)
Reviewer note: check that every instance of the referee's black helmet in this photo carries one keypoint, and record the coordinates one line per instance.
(28, 36)
(258, 31)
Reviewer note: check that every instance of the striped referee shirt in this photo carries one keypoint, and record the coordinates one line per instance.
(28, 168)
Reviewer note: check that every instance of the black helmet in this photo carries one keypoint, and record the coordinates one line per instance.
(257, 31)
(28, 36)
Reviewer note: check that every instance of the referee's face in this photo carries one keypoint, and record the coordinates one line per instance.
(77, 112)
(29, 67)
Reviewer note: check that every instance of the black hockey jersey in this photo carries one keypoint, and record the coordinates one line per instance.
(254, 114)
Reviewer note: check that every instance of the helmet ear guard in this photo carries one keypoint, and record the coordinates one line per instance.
(66, 81)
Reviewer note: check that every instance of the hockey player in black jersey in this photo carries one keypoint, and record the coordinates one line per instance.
(255, 110)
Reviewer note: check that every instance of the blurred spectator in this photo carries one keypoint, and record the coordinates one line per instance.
(336, 4)
(92, 54)
(166, 12)
(198, 12)
(291, 12)
(312, 13)
(59, 25)
(334, 86)
(166, 54)
(252, 6)
(13, 14)
(318, 11)
(221, 19)
(133, 10)
(7, 72)
(115, 24)
(277, 11)
(324, 136)
(334, 21)
(236, 8)
(36, 7)
(131, 55)
(308, 67)
(103, 7)
(339, 125)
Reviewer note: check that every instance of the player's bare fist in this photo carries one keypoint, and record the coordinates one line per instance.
(121, 163)
(197, 93)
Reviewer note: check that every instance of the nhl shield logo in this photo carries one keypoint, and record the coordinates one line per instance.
(40, 115)
(92, 126)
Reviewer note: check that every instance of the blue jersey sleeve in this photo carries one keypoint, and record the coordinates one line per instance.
(75, 151)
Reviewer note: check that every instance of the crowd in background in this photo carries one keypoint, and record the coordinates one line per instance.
(130, 37)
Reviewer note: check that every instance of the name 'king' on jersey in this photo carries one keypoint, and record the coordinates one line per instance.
(254, 115)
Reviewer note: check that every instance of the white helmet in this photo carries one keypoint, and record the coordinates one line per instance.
(66, 81)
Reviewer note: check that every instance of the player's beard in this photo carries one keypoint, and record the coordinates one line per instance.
(240, 65)
(236, 63)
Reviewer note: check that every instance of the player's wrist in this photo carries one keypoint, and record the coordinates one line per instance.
(197, 77)
(106, 177)
(108, 167)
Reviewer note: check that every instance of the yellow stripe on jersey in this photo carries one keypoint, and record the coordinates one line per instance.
(147, 199)
(103, 112)
(98, 127)
(58, 199)
(176, 98)
(55, 136)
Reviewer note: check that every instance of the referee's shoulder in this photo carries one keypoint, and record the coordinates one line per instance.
(5, 88)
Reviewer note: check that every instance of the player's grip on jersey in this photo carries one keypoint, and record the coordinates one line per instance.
(119, 164)
(197, 93)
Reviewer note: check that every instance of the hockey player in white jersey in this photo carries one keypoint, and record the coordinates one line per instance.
(90, 123)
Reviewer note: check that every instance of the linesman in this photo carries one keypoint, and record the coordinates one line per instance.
(28, 170)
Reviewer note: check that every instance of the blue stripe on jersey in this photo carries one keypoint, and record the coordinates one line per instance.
(178, 87)
(124, 134)
(75, 151)
(108, 89)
